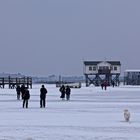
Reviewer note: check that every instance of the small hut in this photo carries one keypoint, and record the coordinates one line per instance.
(132, 77)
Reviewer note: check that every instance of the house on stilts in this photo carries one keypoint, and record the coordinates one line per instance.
(98, 71)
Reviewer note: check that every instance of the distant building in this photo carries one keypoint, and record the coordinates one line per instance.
(132, 77)
(18, 75)
(98, 71)
(53, 79)
(72, 79)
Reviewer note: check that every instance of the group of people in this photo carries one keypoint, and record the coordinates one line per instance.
(65, 92)
(104, 84)
(24, 93)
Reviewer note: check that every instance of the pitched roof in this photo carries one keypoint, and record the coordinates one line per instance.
(97, 62)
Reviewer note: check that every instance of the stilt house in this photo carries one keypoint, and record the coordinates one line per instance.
(98, 71)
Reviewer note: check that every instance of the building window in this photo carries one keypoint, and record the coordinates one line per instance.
(94, 68)
(115, 68)
(90, 68)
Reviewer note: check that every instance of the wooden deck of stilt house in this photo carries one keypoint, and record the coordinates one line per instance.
(13, 82)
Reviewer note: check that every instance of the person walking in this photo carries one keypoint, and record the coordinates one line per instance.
(62, 90)
(105, 85)
(43, 92)
(18, 92)
(68, 92)
(22, 89)
(26, 97)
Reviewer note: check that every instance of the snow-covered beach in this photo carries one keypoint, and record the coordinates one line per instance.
(91, 114)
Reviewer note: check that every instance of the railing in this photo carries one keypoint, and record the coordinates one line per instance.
(13, 82)
(104, 71)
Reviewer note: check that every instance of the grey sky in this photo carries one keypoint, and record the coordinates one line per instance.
(43, 37)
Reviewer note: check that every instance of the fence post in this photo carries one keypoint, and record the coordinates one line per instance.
(2, 82)
(9, 82)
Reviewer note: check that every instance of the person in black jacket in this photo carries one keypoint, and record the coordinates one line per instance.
(26, 97)
(62, 90)
(43, 92)
(18, 92)
(68, 91)
(22, 89)
(113, 83)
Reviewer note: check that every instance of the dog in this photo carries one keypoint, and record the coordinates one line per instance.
(126, 115)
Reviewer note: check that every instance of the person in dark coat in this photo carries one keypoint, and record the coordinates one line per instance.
(43, 92)
(18, 92)
(62, 90)
(26, 97)
(113, 83)
(105, 85)
(22, 89)
(102, 85)
(68, 92)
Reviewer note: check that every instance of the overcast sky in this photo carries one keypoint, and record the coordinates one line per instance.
(44, 37)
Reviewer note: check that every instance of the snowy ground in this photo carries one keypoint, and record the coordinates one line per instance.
(91, 114)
